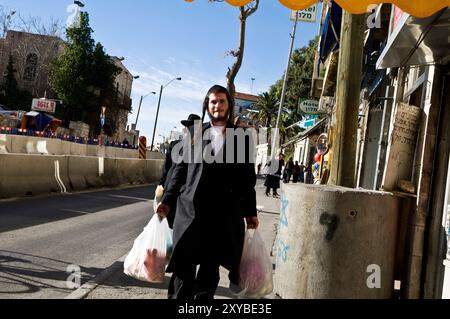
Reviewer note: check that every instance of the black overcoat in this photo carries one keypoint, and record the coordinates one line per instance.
(166, 176)
(212, 201)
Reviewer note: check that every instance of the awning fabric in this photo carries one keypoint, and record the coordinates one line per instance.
(417, 8)
(331, 30)
(418, 42)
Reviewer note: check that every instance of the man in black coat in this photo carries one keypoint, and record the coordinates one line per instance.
(169, 164)
(213, 199)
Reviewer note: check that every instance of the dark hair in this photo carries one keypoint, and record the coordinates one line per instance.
(219, 89)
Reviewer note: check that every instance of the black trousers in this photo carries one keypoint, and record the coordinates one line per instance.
(188, 284)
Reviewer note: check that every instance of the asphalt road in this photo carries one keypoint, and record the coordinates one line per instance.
(44, 239)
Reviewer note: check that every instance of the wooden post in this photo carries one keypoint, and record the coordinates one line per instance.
(345, 122)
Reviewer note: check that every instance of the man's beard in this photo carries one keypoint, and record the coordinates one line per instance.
(222, 118)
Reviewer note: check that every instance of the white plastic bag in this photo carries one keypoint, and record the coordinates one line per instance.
(147, 259)
(159, 192)
(255, 271)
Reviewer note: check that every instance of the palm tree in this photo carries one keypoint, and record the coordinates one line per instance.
(265, 111)
(266, 108)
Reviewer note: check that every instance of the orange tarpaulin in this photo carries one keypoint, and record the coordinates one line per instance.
(417, 8)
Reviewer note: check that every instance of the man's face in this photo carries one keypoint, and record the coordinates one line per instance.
(218, 106)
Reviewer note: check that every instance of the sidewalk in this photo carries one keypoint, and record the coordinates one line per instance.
(112, 283)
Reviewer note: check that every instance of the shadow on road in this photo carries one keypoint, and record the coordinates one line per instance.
(23, 273)
(119, 282)
(29, 212)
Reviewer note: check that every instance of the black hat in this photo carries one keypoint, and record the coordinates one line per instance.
(190, 120)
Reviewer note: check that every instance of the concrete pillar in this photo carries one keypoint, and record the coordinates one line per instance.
(335, 242)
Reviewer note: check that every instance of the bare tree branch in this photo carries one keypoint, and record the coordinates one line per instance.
(245, 12)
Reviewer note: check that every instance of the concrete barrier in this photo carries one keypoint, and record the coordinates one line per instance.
(335, 242)
(28, 145)
(85, 172)
(76, 149)
(154, 155)
(24, 174)
(5, 143)
(18, 144)
(153, 170)
(131, 171)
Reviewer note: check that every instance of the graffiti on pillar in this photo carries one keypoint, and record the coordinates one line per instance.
(331, 222)
(283, 216)
(282, 250)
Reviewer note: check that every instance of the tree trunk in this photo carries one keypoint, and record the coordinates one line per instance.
(239, 53)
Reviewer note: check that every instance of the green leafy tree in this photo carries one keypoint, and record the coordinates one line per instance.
(69, 75)
(83, 78)
(299, 77)
(266, 107)
(103, 74)
(298, 86)
(10, 94)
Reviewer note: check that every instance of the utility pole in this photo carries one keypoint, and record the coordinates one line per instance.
(344, 125)
(156, 118)
(283, 91)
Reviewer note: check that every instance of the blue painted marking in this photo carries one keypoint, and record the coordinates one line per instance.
(282, 251)
(283, 216)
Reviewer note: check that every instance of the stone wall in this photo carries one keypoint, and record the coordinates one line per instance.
(7, 122)
(23, 45)
(79, 129)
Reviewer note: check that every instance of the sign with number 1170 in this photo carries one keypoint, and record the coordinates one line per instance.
(306, 15)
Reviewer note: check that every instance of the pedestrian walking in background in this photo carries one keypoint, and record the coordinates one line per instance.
(295, 172)
(273, 179)
(301, 177)
(170, 162)
(309, 177)
(213, 201)
(288, 170)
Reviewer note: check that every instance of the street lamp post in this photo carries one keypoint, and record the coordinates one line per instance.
(157, 110)
(139, 110)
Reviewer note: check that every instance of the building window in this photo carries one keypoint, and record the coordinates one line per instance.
(29, 73)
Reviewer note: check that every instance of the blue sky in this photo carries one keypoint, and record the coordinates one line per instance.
(163, 39)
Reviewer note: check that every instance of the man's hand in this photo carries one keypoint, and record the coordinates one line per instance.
(252, 222)
(162, 210)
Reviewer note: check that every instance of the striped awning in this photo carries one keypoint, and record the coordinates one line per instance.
(416, 8)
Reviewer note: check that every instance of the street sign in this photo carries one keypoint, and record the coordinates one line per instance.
(309, 106)
(43, 105)
(306, 15)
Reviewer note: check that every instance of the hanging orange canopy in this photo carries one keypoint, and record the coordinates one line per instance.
(416, 8)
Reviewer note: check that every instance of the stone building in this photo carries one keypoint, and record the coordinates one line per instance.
(32, 55)
(124, 83)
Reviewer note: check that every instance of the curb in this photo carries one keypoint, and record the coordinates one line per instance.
(92, 284)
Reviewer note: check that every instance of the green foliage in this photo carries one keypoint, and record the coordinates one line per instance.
(300, 76)
(10, 94)
(267, 107)
(83, 78)
(298, 86)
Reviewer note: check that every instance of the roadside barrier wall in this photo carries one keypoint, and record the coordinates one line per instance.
(27, 174)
